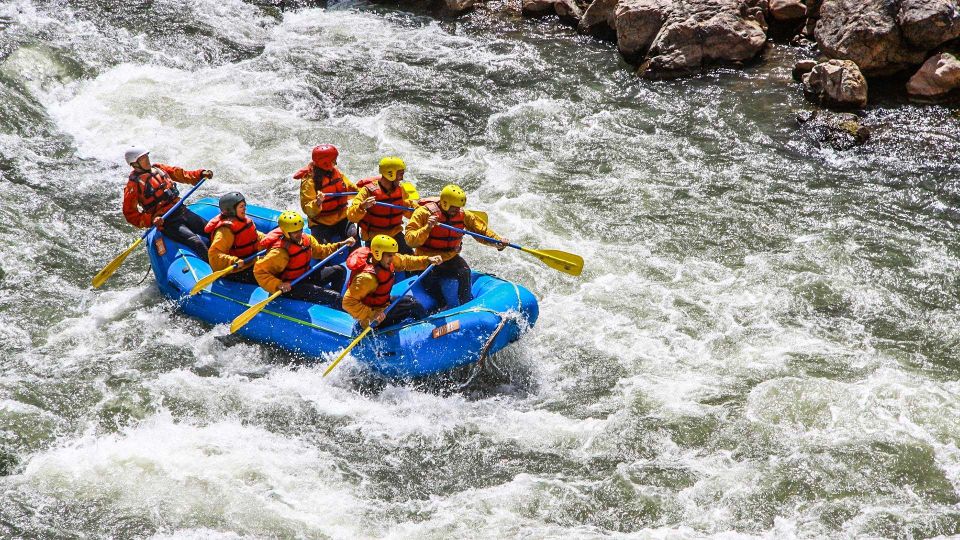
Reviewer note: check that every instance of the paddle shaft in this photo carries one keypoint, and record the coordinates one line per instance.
(111, 267)
(373, 324)
(176, 206)
(318, 265)
(404, 293)
(241, 320)
(249, 259)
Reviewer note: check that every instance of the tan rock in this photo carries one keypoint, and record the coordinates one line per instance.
(837, 83)
(937, 77)
(567, 10)
(787, 10)
(599, 19)
(637, 23)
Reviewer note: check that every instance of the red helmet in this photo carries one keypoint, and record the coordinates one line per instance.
(325, 156)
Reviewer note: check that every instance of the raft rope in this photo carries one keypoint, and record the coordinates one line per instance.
(147, 273)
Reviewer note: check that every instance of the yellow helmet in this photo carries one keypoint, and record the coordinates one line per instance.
(452, 195)
(389, 167)
(290, 221)
(381, 244)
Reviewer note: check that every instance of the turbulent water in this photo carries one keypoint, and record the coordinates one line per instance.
(763, 342)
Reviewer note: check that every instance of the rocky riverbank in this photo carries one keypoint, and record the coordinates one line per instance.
(851, 42)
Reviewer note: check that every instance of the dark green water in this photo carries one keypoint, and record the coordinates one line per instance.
(763, 342)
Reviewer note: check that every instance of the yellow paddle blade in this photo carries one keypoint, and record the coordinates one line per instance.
(558, 260)
(347, 350)
(109, 269)
(411, 191)
(203, 283)
(245, 317)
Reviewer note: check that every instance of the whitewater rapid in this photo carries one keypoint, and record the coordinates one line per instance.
(762, 343)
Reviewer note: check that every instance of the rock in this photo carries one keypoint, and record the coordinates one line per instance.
(599, 19)
(787, 10)
(801, 68)
(937, 77)
(927, 24)
(866, 32)
(568, 10)
(840, 130)
(675, 37)
(836, 83)
(636, 23)
(456, 7)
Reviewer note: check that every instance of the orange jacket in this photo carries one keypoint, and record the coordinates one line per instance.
(219, 252)
(356, 213)
(308, 197)
(363, 284)
(268, 268)
(131, 195)
(418, 231)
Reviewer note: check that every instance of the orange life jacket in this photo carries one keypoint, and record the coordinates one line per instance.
(157, 191)
(441, 238)
(361, 262)
(380, 219)
(326, 182)
(244, 234)
(299, 254)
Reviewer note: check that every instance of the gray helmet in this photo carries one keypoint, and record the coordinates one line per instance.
(229, 202)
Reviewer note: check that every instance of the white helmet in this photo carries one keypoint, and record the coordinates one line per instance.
(133, 154)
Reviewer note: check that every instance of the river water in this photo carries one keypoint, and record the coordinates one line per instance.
(763, 342)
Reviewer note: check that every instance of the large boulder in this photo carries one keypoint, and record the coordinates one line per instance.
(836, 83)
(676, 37)
(866, 32)
(927, 24)
(937, 77)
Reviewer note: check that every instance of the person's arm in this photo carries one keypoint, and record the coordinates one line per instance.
(359, 288)
(308, 197)
(322, 251)
(180, 175)
(418, 228)
(131, 208)
(409, 203)
(355, 210)
(350, 185)
(414, 262)
(475, 224)
(269, 267)
(218, 253)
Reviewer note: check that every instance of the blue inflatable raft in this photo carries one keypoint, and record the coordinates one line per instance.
(499, 313)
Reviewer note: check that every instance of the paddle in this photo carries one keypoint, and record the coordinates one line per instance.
(109, 269)
(568, 263)
(374, 323)
(202, 284)
(245, 317)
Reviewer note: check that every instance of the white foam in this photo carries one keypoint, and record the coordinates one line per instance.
(222, 472)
